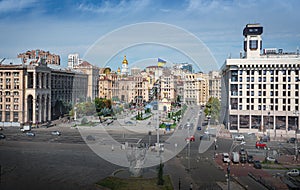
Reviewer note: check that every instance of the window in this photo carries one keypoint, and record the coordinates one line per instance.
(253, 45)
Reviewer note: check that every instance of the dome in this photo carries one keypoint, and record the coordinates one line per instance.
(125, 60)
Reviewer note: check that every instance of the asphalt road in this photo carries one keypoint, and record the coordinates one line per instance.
(66, 162)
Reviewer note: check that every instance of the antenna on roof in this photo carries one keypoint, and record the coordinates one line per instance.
(2, 61)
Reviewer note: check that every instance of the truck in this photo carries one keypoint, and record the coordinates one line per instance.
(26, 128)
(235, 157)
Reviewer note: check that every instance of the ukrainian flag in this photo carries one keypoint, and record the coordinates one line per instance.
(161, 62)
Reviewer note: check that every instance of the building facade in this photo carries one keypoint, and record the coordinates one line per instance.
(196, 89)
(30, 89)
(49, 58)
(214, 78)
(261, 90)
(93, 79)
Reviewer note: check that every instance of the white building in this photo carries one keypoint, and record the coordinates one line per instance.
(73, 60)
(260, 92)
(214, 78)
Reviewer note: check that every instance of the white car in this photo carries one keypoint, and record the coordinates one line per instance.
(239, 138)
(56, 133)
(271, 159)
(226, 158)
(293, 172)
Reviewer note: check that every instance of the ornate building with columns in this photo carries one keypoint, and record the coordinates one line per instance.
(30, 90)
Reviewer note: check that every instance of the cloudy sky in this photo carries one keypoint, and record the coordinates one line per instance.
(64, 27)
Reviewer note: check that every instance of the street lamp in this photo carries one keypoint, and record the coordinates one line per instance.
(296, 112)
(269, 125)
(233, 146)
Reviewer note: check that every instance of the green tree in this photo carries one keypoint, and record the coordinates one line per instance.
(212, 108)
(103, 106)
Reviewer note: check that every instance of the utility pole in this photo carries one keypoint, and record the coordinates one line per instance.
(296, 130)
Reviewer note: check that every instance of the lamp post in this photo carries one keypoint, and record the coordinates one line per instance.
(233, 146)
(296, 112)
(269, 126)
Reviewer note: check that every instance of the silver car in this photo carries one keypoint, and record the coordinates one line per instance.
(293, 172)
(30, 134)
(55, 133)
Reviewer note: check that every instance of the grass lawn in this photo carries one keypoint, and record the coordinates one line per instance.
(115, 183)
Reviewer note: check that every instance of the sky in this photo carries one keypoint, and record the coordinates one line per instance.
(110, 29)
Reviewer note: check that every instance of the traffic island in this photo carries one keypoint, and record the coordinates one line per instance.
(132, 183)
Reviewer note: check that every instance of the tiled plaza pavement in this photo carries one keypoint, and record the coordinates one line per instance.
(239, 171)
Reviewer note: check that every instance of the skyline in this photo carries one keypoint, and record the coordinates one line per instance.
(66, 27)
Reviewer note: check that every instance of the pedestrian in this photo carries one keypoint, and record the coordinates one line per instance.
(191, 186)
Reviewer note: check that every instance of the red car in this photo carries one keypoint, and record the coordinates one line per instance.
(192, 138)
(260, 145)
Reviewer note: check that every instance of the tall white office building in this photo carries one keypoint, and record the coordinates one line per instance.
(260, 90)
(73, 60)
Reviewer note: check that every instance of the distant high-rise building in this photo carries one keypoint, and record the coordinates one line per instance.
(74, 60)
(184, 66)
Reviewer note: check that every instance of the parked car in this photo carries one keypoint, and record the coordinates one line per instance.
(293, 172)
(2, 136)
(291, 140)
(90, 138)
(271, 159)
(225, 158)
(191, 138)
(30, 134)
(204, 137)
(128, 122)
(55, 133)
(239, 138)
(199, 128)
(260, 145)
(250, 159)
(256, 164)
(265, 138)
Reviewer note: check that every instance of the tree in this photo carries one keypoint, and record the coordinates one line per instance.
(212, 108)
(103, 106)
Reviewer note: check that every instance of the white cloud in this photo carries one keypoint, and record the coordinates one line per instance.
(110, 7)
(15, 5)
